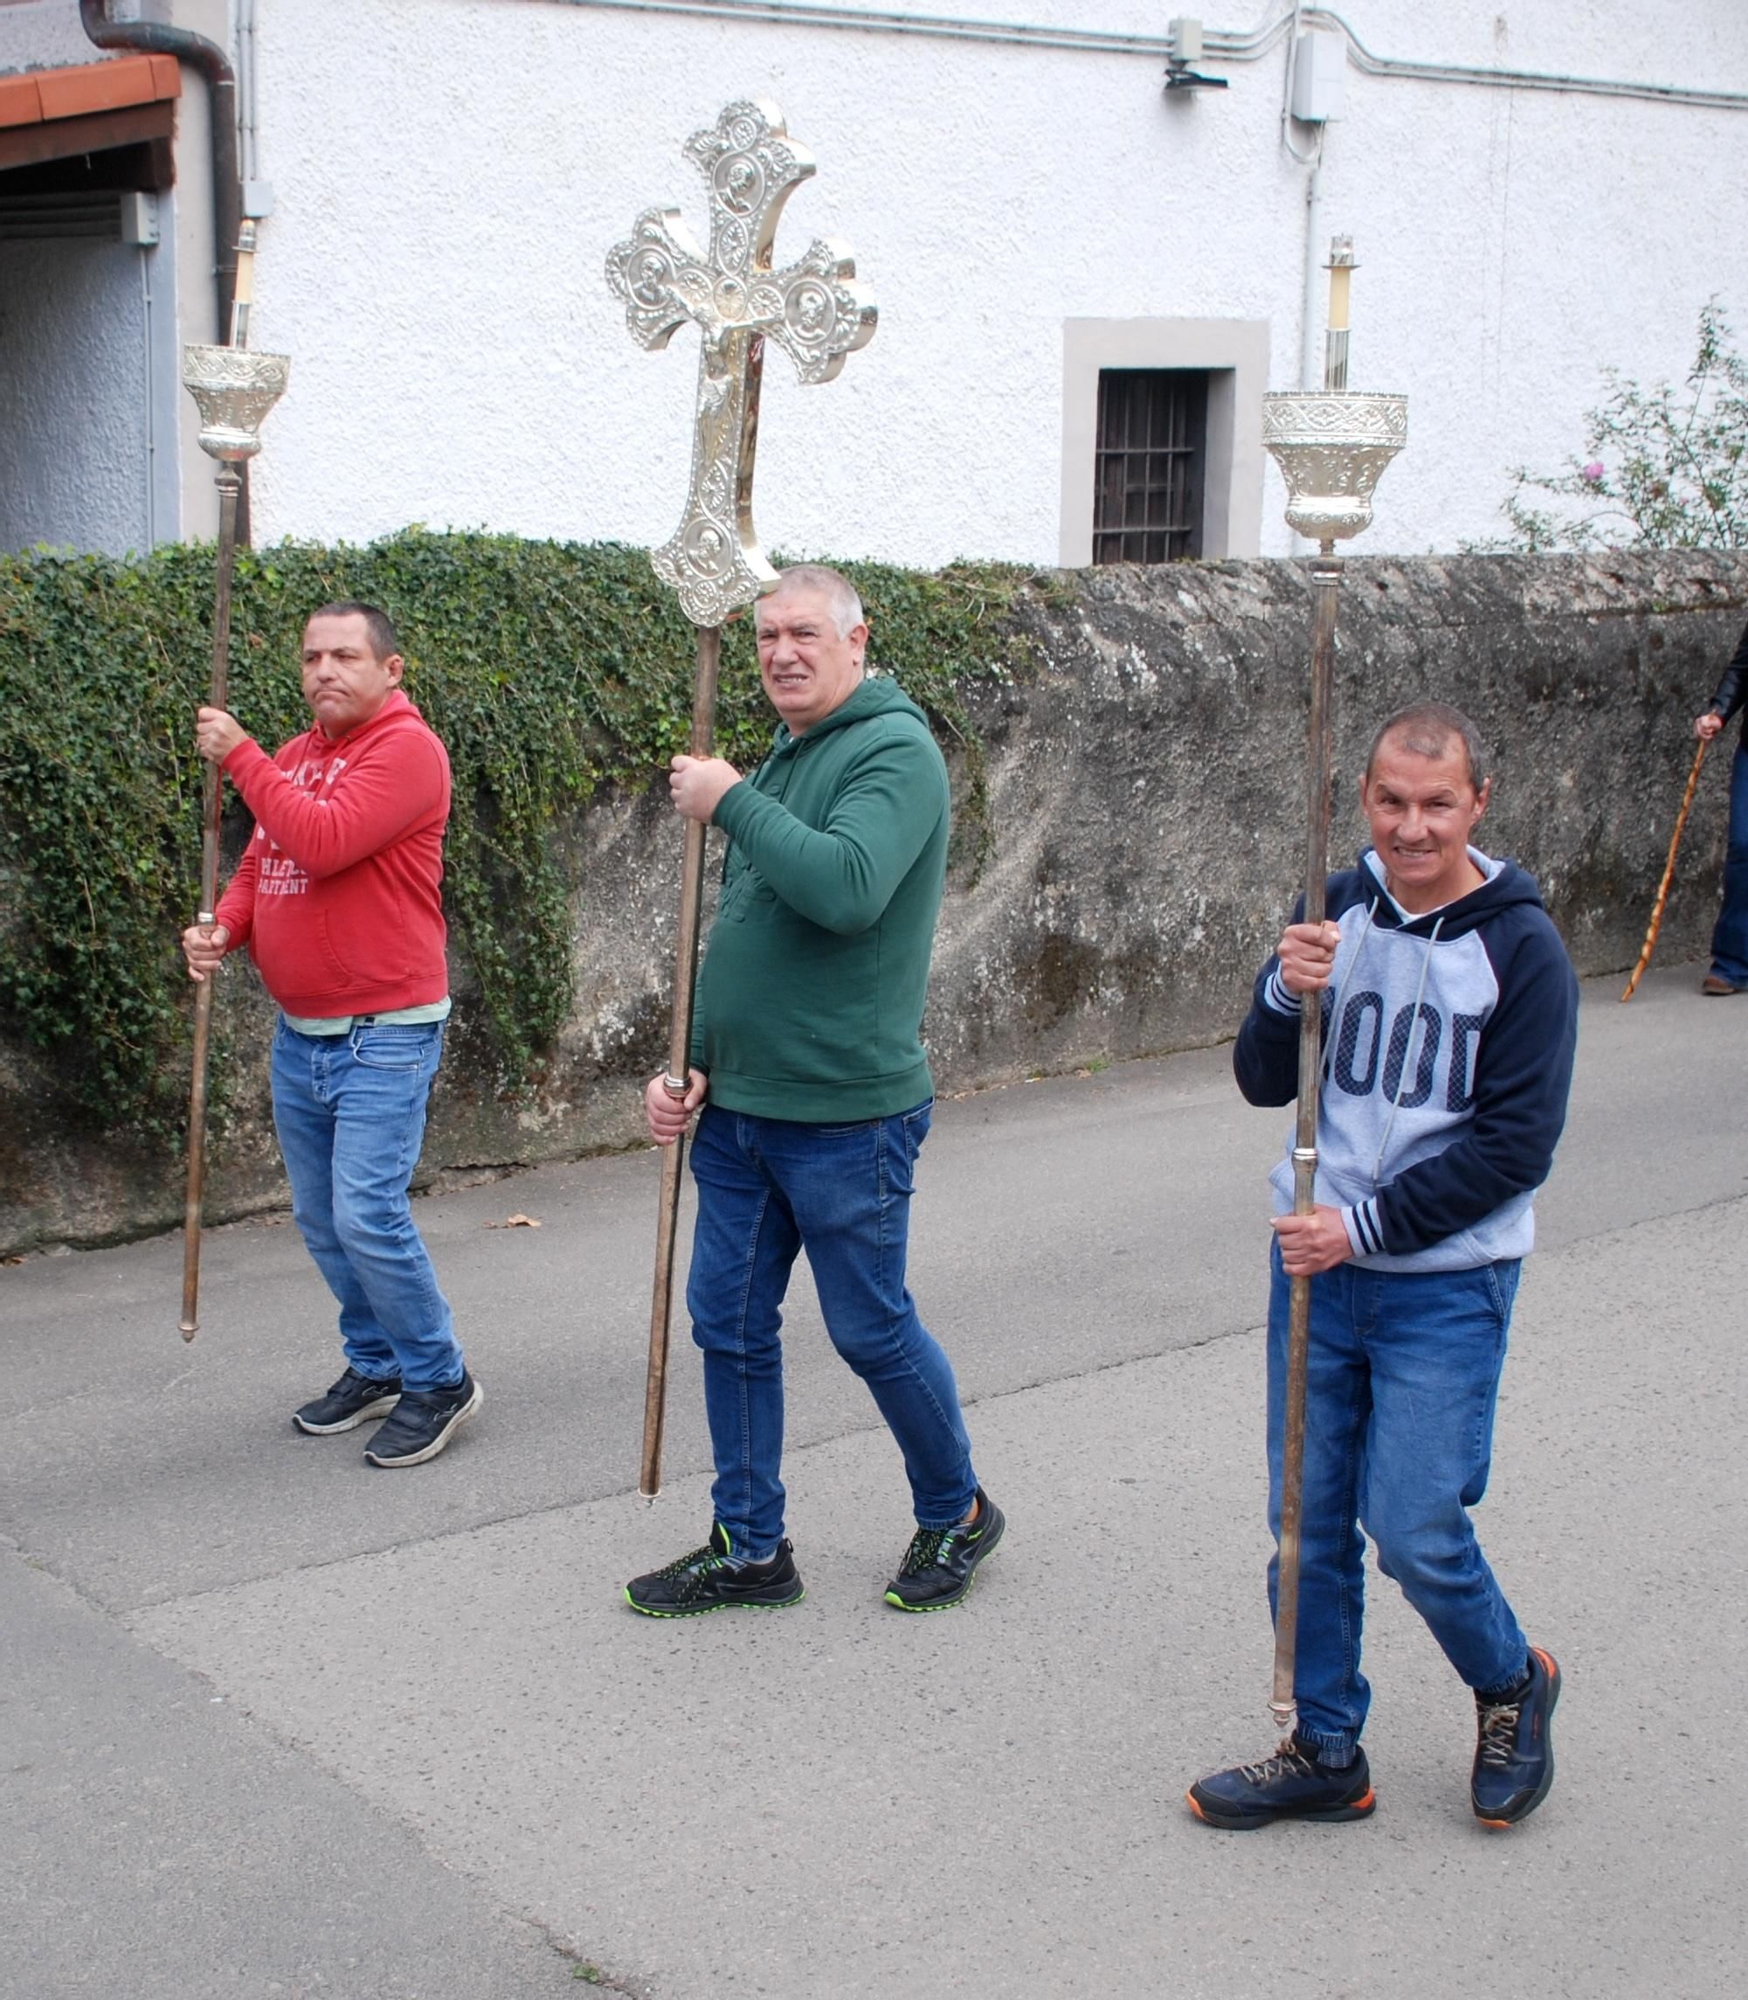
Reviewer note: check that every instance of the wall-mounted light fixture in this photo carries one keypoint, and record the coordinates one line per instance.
(1186, 51)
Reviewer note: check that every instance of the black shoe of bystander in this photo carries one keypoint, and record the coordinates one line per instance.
(424, 1423)
(352, 1401)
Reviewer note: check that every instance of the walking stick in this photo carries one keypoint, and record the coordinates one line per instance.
(1656, 923)
(234, 389)
(1332, 449)
(818, 314)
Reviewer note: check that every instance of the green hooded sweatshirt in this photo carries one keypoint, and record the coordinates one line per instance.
(811, 994)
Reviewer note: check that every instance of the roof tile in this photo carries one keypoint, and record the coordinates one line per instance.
(37, 96)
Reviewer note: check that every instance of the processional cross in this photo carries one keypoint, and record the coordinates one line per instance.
(813, 309)
(816, 311)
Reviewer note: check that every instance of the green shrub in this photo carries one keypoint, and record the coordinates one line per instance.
(549, 670)
(1661, 468)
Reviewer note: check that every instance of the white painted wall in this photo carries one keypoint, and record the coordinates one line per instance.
(42, 34)
(450, 173)
(73, 458)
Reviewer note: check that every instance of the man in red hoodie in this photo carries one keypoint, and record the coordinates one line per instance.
(338, 900)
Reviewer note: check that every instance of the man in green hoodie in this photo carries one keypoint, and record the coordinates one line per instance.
(813, 1097)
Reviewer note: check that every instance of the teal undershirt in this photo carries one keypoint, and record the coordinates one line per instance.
(341, 1024)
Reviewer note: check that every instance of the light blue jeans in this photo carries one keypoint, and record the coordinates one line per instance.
(767, 1189)
(1404, 1378)
(350, 1112)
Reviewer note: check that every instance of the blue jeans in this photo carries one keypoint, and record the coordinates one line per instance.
(1730, 935)
(350, 1112)
(1404, 1377)
(768, 1188)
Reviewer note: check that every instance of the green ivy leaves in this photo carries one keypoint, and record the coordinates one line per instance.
(549, 670)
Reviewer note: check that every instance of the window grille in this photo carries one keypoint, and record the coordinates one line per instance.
(1147, 487)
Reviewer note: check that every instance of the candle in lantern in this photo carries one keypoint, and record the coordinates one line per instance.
(1340, 268)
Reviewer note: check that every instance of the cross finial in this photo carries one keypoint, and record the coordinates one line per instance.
(814, 309)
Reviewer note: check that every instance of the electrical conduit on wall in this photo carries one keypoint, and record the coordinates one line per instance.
(1228, 46)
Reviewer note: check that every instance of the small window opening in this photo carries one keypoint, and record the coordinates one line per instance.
(1151, 452)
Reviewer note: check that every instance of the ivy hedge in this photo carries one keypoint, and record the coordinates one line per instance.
(549, 670)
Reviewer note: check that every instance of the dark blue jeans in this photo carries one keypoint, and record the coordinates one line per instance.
(350, 1112)
(1730, 935)
(767, 1189)
(1404, 1377)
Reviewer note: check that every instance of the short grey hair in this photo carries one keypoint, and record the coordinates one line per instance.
(1426, 728)
(836, 588)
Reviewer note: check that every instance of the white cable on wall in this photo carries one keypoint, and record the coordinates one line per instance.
(1226, 45)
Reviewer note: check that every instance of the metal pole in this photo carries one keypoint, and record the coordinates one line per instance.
(649, 1482)
(1332, 446)
(1326, 574)
(234, 389)
(229, 484)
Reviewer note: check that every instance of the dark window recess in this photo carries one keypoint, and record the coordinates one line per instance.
(1147, 484)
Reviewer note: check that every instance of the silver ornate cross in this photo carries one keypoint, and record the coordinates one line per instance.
(813, 309)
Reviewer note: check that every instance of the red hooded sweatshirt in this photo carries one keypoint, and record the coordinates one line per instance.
(338, 896)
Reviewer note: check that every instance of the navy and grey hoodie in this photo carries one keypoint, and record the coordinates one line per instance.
(1448, 1045)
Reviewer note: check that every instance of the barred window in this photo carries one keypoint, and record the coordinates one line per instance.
(1149, 471)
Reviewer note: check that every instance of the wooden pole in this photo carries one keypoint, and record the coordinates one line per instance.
(655, 1398)
(212, 783)
(1326, 581)
(1656, 923)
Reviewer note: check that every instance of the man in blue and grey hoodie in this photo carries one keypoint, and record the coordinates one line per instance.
(1450, 1015)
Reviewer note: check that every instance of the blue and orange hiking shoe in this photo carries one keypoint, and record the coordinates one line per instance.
(714, 1578)
(1514, 1746)
(940, 1563)
(1291, 1784)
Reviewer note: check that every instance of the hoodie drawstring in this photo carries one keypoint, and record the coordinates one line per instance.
(1340, 992)
(1413, 1023)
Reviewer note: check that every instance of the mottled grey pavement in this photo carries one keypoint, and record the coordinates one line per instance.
(274, 1723)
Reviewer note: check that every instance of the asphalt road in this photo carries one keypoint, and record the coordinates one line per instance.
(272, 1722)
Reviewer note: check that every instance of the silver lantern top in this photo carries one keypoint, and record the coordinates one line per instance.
(1332, 451)
(235, 388)
(1333, 444)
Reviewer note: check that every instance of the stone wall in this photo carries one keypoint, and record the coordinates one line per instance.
(1141, 848)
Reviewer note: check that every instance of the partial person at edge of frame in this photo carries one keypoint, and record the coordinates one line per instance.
(1729, 968)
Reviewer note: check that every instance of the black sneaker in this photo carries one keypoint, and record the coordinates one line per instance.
(1514, 1746)
(352, 1401)
(1291, 1784)
(424, 1422)
(713, 1578)
(940, 1562)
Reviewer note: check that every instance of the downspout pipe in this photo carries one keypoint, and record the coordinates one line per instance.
(152, 38)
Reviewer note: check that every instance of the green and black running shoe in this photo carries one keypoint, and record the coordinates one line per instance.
(713, 1578)
(940, 1562)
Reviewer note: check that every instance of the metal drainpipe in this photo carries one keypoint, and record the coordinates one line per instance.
(151, 38)
(148, 37)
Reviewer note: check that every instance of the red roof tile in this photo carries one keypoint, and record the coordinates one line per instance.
(40, 96)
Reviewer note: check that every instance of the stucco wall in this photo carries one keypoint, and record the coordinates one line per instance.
(450, 173)
(1145, 780)
(43, 34)
(73, 461)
